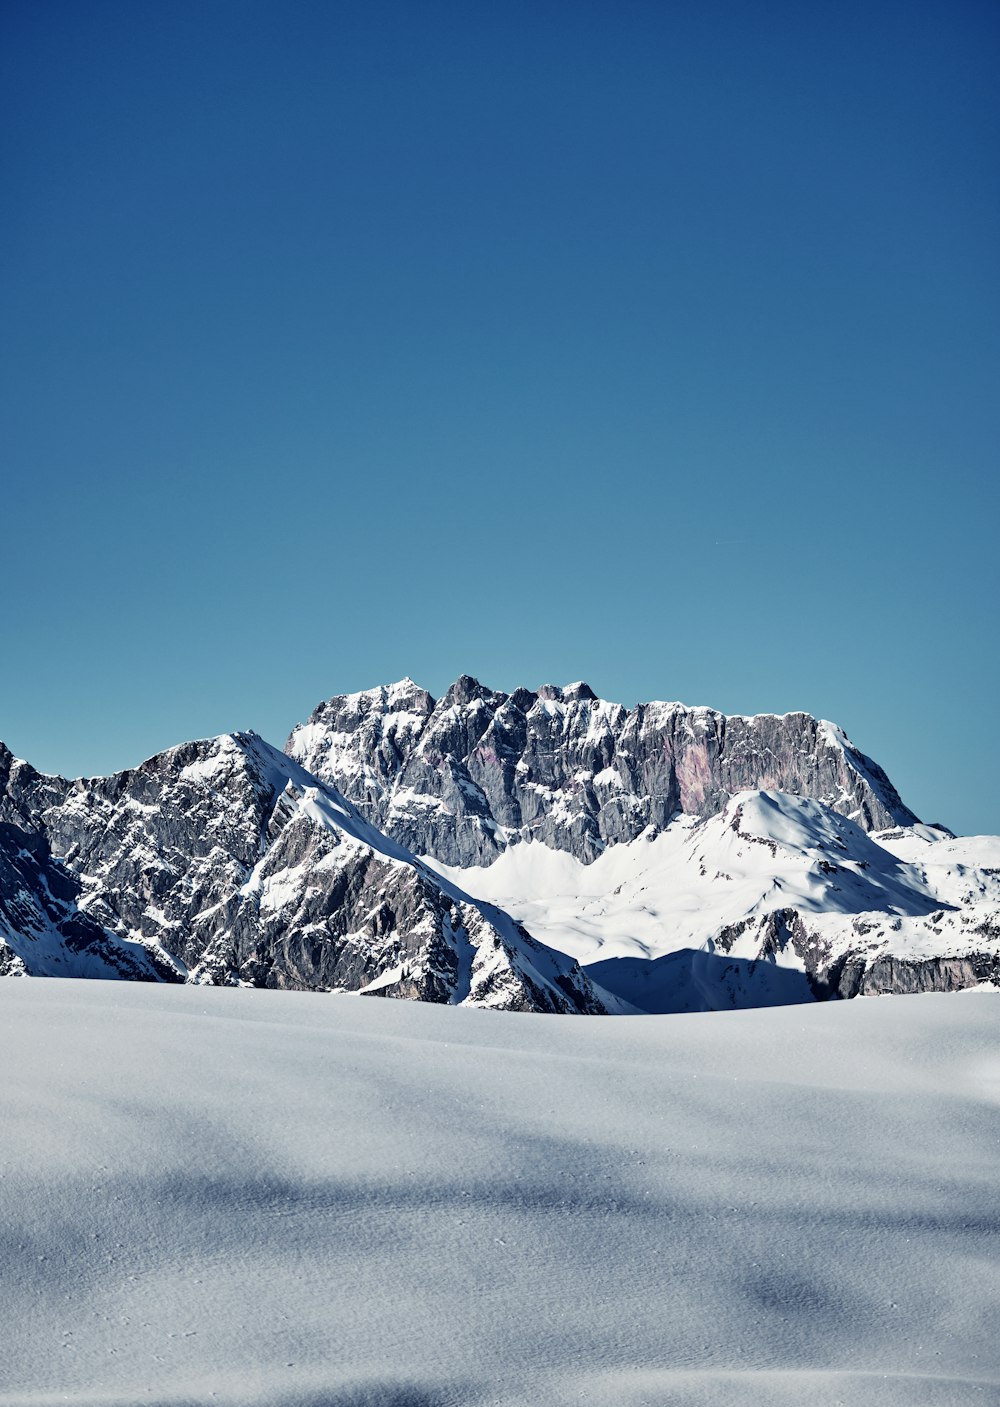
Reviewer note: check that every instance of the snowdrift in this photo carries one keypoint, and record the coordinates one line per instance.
(259, 1199)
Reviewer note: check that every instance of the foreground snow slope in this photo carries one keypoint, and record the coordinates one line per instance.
(256, 1197)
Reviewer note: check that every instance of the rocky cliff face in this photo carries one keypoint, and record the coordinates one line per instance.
(225, 862)
(464, 777)
(39, 907)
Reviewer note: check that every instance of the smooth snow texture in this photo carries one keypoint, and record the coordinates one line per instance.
(765, 851)
(255, 1197)
(960, 869)
(676, 889)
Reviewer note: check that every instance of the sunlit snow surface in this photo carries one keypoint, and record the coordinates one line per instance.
(765, 850)
(915, 893)
(253, 1197)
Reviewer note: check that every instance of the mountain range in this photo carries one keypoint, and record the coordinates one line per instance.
(543, 850)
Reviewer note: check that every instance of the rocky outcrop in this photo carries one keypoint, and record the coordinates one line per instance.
(225, 862)
(868, 958)
(463, 777)
(871, 977)
(40, 916)
(785, 957)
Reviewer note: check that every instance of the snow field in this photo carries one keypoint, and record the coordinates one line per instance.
(252, 1197)
(909, 893)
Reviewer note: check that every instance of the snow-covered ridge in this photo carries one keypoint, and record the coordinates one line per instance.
(225, 861)
(574, 856)
(785, 898)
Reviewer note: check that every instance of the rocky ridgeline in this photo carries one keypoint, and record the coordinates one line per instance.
(224, 862)
(463, 777)
(797, 873)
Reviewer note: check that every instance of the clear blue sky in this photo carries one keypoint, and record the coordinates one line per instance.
(652, 344)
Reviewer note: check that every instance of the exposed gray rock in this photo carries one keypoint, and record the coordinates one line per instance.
(463, 777)
(223, 861)
(42, 929)
(870, 969)
(861, 976)
(713, 979)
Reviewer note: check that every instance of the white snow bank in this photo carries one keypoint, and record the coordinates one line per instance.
(251, 1197)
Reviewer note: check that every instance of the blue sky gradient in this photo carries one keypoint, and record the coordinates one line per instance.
(656, 345)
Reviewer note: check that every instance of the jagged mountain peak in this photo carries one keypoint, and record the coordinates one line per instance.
(398, 695)
(464, 777)
(466, 690)
(224, 860)
(349, 860)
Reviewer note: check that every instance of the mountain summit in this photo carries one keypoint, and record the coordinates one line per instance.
(224, 862)
(463, 777)
(542, 851)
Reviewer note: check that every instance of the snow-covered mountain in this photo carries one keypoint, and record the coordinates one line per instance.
(689, 860)
(225, 862)
(540, 851)
(775, 899)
